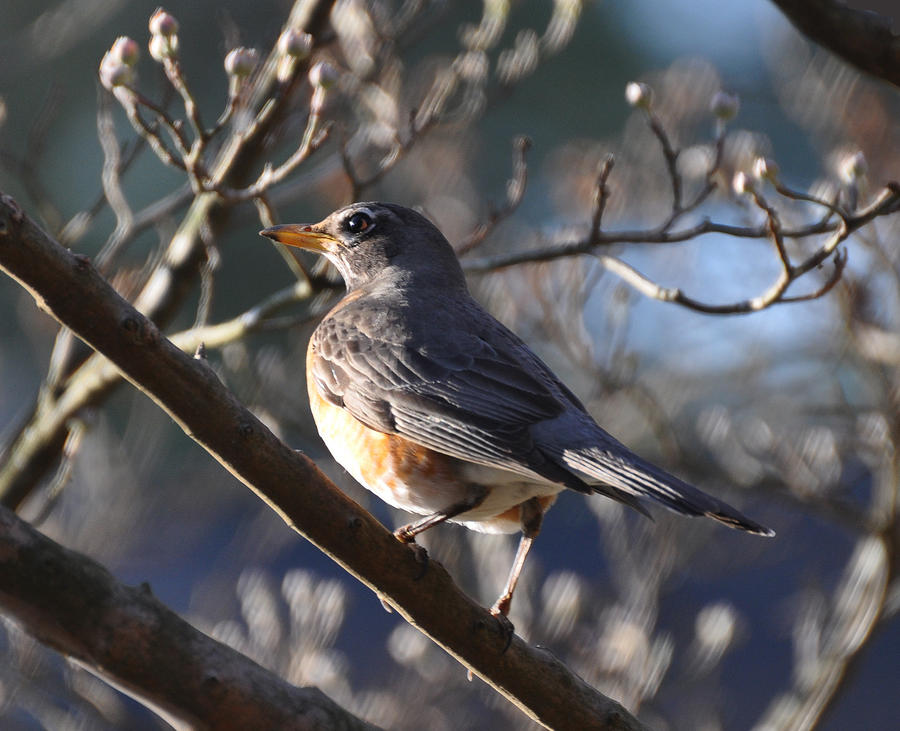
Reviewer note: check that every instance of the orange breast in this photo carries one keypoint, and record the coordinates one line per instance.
(391, 466)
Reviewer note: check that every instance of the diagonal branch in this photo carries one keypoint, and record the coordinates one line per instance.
(74, 605)
(515, 190)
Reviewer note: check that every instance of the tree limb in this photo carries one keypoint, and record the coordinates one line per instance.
(74, 605)
(67, 286)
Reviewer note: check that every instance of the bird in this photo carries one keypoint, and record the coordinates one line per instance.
(439, 409)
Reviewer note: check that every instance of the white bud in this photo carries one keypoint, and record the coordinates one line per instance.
(323, 74)
(126, 50)
(163, 47)
(765, 168)
(742, 183)
(295, 43)
(638, 94)
(162, 23)
(114, 72)
(241, 62)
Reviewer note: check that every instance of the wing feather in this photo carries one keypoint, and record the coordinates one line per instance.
(471, 396)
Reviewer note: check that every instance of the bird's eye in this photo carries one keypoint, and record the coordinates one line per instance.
(359, 222)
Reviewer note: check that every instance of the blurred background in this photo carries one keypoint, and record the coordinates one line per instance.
(790, 413)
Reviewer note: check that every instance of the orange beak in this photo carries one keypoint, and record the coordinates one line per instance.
(301, 235)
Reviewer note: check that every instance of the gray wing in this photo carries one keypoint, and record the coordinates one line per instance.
(475, 397)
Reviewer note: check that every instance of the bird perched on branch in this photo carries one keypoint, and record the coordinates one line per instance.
(439, 409)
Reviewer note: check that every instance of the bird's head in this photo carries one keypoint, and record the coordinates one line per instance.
(375, 241)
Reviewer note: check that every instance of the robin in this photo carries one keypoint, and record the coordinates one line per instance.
(440, 410)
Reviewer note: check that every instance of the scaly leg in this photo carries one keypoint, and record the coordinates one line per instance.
(532, 517)
(476, 495)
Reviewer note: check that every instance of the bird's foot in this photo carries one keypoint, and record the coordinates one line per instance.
(404, 534)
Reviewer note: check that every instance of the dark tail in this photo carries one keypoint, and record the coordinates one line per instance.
(621, 471)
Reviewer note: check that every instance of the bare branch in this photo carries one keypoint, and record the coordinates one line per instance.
(313, 138)
(886, 203)
(149, 132)
(601, 196)
(74, 605)
(515, 190)
(840, 261)
(176, 78)
(670, 154)
(112, 165)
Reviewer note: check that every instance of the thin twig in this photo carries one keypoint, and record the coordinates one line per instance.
(173, 127)
(176, 78)
(709, 184)
(840, 262)
(601, 196)
(515, 190)
(314, 137)
(671, 157)
(112, 164)
(156, 142)
(797, 195)
(888, 201)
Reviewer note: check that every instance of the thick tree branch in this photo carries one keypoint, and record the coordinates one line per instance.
(72, 604)
(863, 38)
(68, 286)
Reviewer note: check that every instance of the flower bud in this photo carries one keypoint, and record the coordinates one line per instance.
(163, 24)
(725, 105)
(126, 50)
(295, 43)
(765, 168)
(241, 62)
(114, 72)
(853, 167)
(163, 47)
(742, 183)
(323, 75)
(638, 94)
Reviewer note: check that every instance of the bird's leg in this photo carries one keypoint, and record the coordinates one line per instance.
(475, 495)
(532, 517)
